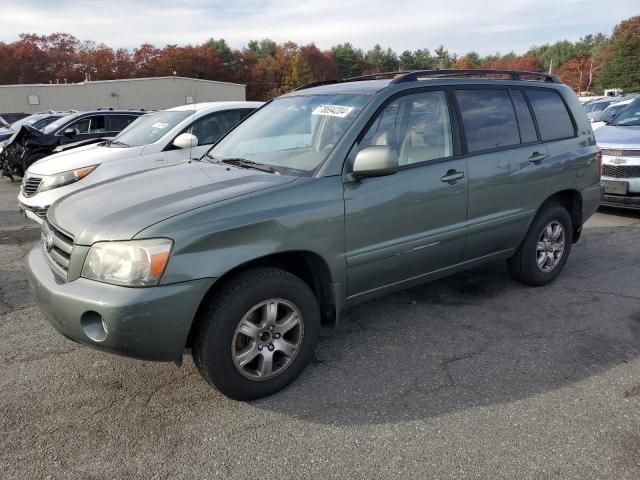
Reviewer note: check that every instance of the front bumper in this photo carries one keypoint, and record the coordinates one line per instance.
(35, 207)
(148, 323)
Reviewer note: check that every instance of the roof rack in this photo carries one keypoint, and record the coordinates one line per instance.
(415, 75)
(512, 74)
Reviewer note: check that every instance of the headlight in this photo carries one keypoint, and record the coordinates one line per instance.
(134, 263)
(64, 178)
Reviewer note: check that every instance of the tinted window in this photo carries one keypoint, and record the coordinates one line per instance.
(525, 121)
(416, 126)
(489, 119)
(553, 119)
(211, 128)
(118, 122)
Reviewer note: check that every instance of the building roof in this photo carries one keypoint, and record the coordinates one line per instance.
(93, 82)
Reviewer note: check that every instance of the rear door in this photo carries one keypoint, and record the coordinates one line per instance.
(509, 175)
(403, 226)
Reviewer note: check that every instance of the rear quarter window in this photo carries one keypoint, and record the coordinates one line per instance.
(554, 121)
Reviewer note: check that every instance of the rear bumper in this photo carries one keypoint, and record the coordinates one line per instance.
(149, 323)
(591, 199)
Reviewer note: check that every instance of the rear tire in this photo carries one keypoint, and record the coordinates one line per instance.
(545, 250)
(257, 333)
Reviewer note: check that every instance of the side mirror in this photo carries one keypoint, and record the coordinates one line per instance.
(375, 161)
(185, 140)
(70, 132)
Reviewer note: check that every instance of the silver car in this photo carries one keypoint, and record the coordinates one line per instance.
(619, 141)
(154, 140)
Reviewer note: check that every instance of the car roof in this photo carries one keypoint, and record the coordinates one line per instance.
(214, 106)
(408, 80)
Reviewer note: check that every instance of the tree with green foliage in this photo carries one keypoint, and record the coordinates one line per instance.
(262, 48)
(621, 64)
(380, 60)
(349, 60)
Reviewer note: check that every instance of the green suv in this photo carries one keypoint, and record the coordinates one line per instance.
(323, 198)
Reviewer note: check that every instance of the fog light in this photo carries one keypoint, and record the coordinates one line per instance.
(94, 326)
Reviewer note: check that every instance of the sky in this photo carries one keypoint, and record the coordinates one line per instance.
(484, 26)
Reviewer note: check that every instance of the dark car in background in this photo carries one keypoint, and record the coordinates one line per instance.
(11, 118)
(37, 120)
(29, 144)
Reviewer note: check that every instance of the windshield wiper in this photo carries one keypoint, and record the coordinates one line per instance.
(244, 163)
(117, 142)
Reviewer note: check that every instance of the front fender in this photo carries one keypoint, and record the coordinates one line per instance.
(305, 215)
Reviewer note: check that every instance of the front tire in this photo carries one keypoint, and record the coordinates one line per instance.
(545, 249)
(257, 333)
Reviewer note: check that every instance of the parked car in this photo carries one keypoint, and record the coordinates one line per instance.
(11, 118)
(609, 113)
(620, 144)
(595, 107)
(154, 140)
(323, 198)
(37, 121)
(29, 144)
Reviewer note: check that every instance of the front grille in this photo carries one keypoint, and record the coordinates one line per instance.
(30, 185)
(620, 153)
(57, 248)
(621, 171)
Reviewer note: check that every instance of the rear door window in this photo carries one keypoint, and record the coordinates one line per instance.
(98, 124)
(489, 119)
(525, 120)
(554, 121)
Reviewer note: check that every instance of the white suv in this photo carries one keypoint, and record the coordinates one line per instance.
(154, 140)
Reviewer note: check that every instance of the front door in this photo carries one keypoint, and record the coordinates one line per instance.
(403, 226)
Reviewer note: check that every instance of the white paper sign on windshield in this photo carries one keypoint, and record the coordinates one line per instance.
(332, 110)
(159, 125)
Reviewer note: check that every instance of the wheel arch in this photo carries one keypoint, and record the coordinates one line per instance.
(309, 266)
(571, 200)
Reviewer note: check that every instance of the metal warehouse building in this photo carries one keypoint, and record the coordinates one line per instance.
(148, 93)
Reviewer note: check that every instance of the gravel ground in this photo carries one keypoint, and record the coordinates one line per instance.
(473, 376)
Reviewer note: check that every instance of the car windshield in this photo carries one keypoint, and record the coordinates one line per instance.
(150, 128)
(630, 116)
(597, 106)
(609, 112)
(294, 134)
(53, 126)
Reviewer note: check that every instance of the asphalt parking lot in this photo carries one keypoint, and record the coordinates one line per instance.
(473, 376)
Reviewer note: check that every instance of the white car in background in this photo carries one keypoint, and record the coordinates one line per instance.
(154, 140)
(606, 115)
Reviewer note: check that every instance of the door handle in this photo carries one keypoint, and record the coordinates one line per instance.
(452, 176)
(537, 157)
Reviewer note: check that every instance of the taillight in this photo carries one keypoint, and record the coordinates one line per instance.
(599, 159)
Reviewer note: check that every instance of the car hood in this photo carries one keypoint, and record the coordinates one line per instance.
(81, 157)
(119, 209)
(612, 136)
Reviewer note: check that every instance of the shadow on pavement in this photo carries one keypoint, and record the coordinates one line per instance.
(474, 339)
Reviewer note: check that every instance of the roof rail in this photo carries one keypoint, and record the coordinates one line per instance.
(513, 74)
(415, 75)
